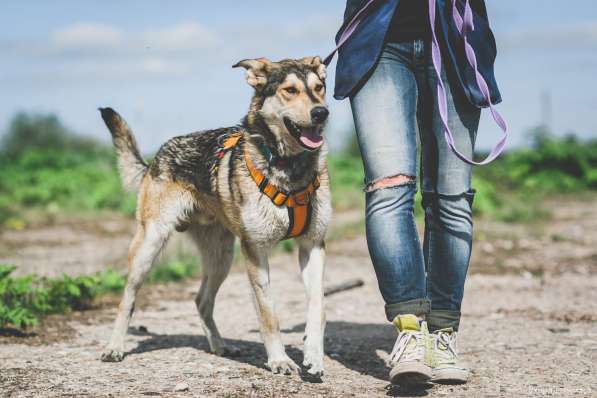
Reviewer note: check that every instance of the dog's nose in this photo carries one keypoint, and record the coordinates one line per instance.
(319, 114)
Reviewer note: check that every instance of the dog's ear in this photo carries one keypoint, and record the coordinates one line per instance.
(318, 67)
(257, 70)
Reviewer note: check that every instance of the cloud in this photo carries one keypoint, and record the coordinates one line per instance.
(161, 66)
(181, 37)
(85, 36)
(316, 28)
(101, 70)
(90, 50)
(557, 38)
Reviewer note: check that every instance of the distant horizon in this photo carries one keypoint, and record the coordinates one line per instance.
(168, 69)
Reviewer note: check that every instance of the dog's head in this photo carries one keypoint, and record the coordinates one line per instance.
(290, 99)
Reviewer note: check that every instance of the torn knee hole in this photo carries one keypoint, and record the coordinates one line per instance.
(390, 182)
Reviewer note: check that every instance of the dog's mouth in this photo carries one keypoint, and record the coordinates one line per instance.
(308, 136)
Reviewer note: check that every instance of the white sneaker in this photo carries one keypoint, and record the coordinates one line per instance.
(447, 368)
(411, 356)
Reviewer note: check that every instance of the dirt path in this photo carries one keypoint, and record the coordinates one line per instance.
(529, 329)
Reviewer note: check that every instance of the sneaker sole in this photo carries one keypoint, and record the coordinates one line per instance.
(450, 376)
(410, 374)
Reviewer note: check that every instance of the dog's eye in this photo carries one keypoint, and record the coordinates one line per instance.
(319, 88)
(291, 90)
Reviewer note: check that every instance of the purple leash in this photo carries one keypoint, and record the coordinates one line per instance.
(348, 31)
(464, 25)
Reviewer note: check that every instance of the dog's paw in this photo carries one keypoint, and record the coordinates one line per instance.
(284, 366)
(314, 368)
(111, 355)
(314, 364)
(227, 351)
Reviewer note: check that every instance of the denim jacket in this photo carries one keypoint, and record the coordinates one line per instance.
(359, 55)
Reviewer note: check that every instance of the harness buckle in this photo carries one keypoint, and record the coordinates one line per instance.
(280, 198)
(302, 198)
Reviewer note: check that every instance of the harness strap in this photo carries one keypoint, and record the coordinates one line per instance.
(231, 141)
(297, 203)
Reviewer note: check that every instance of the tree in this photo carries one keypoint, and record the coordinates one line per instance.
(29, 131)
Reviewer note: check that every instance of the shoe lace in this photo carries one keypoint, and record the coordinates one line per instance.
(445, 343)
(403, 342)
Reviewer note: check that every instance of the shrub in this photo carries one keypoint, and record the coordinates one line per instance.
(24, 299)
(38, 131)
(178, 268)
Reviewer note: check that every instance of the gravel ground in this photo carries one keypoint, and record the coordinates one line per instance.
(529, 329)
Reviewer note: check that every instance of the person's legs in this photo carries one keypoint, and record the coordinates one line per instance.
(384, 114)
(447, 201)
(384, 110)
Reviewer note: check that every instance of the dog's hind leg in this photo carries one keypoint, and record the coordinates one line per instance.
(216, 245)
(311, 260)
(161, 206)
(258, 270)
(145, 247)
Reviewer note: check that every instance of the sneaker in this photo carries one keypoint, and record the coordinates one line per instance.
(411, 357)
(447, 368)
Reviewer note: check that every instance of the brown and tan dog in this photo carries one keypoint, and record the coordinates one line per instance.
(261, 181)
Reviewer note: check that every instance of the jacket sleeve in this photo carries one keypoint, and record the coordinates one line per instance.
(352, 6)
(480, 9)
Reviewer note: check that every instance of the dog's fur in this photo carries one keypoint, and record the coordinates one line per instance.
(188, 188)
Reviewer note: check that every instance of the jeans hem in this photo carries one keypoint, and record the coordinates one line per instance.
(416, 307)
(443, 319)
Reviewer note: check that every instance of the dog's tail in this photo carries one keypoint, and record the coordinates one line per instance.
(131, 165)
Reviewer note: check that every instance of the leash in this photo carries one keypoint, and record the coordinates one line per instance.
(464, 24)
(349, 30)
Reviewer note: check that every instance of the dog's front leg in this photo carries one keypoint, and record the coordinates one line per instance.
(311, 260)
(258, 270)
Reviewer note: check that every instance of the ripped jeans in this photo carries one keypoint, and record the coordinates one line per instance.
(396, 104)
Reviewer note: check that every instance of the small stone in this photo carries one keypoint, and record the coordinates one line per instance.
(527, 275)
(559, 330)
(487, 247)
(180, 387)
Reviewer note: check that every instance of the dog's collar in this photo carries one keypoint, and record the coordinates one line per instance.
(279, 196)
(280, 161)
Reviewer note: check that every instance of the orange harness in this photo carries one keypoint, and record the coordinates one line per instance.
(297, 203)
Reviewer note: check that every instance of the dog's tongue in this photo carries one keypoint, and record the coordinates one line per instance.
(311, 138)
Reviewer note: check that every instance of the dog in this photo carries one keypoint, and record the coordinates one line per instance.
(263, 180)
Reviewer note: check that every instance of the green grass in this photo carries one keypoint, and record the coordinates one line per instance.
(347, 181)
(59, 181)
(46, 170)
(25, 300)
(175, 269)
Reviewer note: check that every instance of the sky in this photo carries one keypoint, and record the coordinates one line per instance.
(166, 66)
